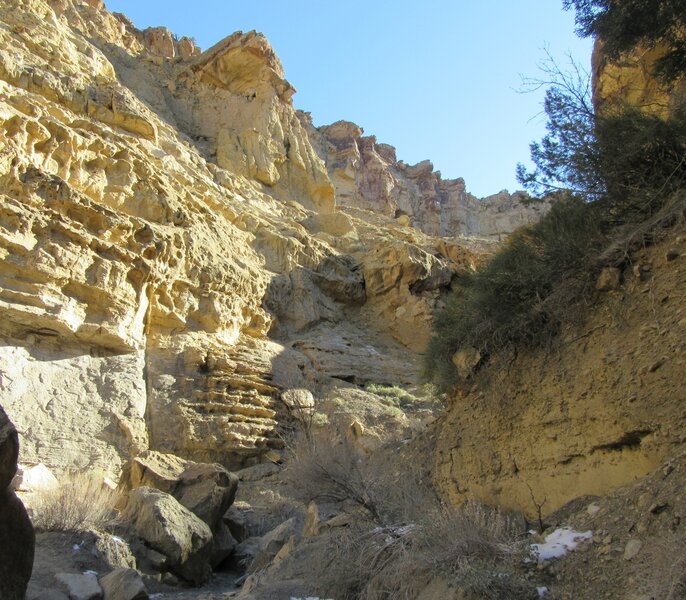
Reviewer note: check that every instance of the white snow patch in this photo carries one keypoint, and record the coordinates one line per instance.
(90, 572)
(559, 542)
(542, 591)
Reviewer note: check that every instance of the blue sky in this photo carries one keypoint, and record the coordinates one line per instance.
(437, 79)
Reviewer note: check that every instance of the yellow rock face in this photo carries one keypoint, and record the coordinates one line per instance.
(603, 408)
(629, 82)
(368, 175)
(172, 257)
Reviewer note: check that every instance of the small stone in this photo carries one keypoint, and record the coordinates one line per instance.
(357, 429)
(273, 456)
(157, 559)
(672, 254)
(667, 469)
(657, 364)
(641, 271)
(313, 521)
(170, 579)
(466, 360)
(609, 279)
(632, 548)
(593, 509)
(657, 507)
(123, 584)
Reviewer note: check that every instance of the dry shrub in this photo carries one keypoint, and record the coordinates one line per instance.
(329, 469)
(664, 568)
(80, 501)
(473, 549)
(471, 552)
(402, 539)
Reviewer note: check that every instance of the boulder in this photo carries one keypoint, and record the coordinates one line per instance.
(80, 586)
(17, 538)
(123, 584)
(223, 545)
(271, 543)
(258, 472)
(114, 550)
(299, 401)
(170, 528)
(245, 552)
(207, 490)
(240, 521)
(33, 479)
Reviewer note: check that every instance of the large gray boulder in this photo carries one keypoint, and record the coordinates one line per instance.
(170, 528)
(207, 490)
(17, 538)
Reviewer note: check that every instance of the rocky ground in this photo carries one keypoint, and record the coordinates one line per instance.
(193, 278)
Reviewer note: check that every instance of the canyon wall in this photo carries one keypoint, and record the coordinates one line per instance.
(173, 256)
(599, 409)
(630, 82)
(369, 176)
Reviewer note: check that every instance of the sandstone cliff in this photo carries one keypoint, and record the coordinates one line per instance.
(630, 82)
(172, 253)
(368, 175)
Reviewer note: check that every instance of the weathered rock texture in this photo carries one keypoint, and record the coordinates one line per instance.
(17, 538)
(173, 530)
(172, 253)
(368, 175)
(207, 490)
(630, 82)
(602, 409)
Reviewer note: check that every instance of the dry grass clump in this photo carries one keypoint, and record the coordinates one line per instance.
(664, 568)
(402, 540)
(473, 549)
(80, 501)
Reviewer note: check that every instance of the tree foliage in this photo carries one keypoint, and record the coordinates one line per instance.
(625, 24)
(606, 175)
(628, 162)
(566, 158)
(523, 294)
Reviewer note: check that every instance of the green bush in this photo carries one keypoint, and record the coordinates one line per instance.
(642, 162)
(521, 296)
(392, 395)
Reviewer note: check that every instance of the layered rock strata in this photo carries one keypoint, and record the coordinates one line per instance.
(368, 175)
(172, 256)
